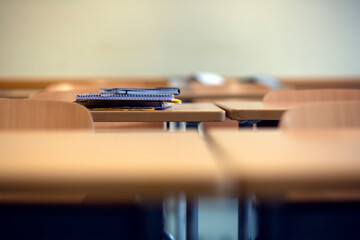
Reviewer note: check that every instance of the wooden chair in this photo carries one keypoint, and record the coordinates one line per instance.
(311, 95)
(341, 114)
(19, 114)
(323, 115)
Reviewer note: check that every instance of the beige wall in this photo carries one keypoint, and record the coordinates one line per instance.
(163, 37)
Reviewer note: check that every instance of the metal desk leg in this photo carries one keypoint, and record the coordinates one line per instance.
(175, 126)
(247, 218)
(181, 217)
(186, 209)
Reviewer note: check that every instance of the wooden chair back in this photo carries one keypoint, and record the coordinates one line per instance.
(339, 114)
(18, 114)
(312, 95)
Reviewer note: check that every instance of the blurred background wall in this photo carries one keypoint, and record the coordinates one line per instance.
(165, 37)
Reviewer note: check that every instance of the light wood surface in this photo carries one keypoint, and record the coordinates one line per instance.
(94, 86)
(38, 82)
(275, 103)
(271, 162)
(256, 110)
(19, 114)
(139, 119)
(342, 114)
(320, 82)
(311, 95)
(231, 89)
(113, 164)
(17, 93)
(187, 112)
(62, 96)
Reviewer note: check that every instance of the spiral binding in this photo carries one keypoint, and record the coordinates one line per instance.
(133, 97)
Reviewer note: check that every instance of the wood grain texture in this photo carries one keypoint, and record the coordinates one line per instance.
(113, 164)
(311, 95)
(231, 89)
(187, 112)
(62, 96)
(94, 86)
(255, 110)
(34, 114)
(342, 114)
(38, 82)
(275, 103)
(17, 93)
(272, 162)
(319, 82)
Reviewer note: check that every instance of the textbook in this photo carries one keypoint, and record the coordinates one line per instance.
(129, 98)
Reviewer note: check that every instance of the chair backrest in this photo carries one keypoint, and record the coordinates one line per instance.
(33, 114)
(91, 86)
(340, 114)
(312, 95)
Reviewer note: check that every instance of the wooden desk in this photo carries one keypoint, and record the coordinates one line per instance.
(187, 112)
(271, 162)
(16, 93)
(118, 164)
(198, 91)
(256, 110)
(39, 82)
(23, 87)
(320, 82)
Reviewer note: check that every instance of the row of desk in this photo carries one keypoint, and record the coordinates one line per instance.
(158, 163)
(117, 167)
(190, 91)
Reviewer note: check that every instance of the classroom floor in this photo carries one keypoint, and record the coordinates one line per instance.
(218, 219)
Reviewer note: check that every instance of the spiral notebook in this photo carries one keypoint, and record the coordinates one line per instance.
(129, 98)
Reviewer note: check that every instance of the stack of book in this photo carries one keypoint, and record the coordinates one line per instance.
(130, 98)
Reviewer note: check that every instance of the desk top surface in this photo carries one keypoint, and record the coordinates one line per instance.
(256, 110)
(274, 160)
(187, 112)
(151, 163)
(320, 82)
(230, 89)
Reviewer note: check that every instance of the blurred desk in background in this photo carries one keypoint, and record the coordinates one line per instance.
(319, 82)
(231, 89)
(22, 86)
